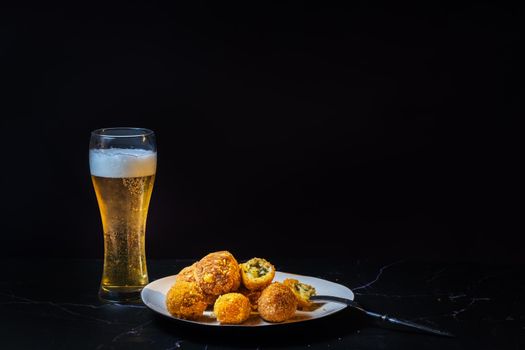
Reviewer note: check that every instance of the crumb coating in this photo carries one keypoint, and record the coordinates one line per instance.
(232, 308)
(218, 273)
(185, 300)
(277, 303)
(252, 295)
(188, 274)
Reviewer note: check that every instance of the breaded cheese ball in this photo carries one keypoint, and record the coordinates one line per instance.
(302, 291)
(188, 274)
(277, 303)
(185, 300)
(232, 308)
(217, 273)
(257, 273)
(252, 295)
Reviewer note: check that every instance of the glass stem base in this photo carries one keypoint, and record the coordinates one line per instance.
(121, 295)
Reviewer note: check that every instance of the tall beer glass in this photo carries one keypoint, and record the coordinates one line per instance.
(123, 163)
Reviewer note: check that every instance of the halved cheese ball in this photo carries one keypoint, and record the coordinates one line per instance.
(302, 291)
(257, 273)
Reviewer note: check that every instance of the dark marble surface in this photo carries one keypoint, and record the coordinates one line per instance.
(53, 304)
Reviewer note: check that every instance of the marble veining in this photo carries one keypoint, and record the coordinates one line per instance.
(381, 270)
(178, 344)
(134, 331)
(61, 306)
(483, 305)
(436, 274)
(467, 302)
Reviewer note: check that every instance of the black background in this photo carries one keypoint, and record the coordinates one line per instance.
(283, 129)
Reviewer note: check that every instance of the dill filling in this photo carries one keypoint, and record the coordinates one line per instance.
(303, 289)
(257, 270)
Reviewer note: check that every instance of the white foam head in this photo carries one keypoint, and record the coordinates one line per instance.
(122, 162)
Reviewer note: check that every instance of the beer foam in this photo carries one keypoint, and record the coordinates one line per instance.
(122, 162)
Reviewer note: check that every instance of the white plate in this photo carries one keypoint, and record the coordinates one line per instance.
(154, 296)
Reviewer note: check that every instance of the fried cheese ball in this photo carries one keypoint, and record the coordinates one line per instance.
(232, 308)
(252, 295)
(185, 300)
(277, 303)
(217, 273)
(302, 292)
(257, 273)
(188, 274)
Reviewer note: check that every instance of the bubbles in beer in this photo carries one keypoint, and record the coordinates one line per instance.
(122, 162)
(135, 185)
(123, 180)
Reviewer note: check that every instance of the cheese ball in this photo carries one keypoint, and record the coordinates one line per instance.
(257, 273)
(277, 303)
(232, 308)
(217, 273)
(188, 274)
(252, 295)
(185, 300)
(302, 292)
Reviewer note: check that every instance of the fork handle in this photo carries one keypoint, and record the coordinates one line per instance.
(384, 321)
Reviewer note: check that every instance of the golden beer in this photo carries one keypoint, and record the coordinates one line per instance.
(123, 181)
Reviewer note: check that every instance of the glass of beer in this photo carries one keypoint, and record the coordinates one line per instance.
(123, 164)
